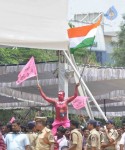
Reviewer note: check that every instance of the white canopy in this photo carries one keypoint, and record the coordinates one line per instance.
(34, 23)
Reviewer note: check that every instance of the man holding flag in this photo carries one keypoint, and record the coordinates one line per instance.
(61, 107)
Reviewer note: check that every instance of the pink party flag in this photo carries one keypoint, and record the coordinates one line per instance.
(79, 102)
(12, 120)
(28, 71)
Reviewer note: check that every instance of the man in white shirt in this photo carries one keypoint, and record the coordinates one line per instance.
(17, 140)
(122, 142)
(60, 139)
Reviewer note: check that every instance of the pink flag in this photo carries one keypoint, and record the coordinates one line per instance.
(12, 119)
(79, 102)
(28, 71)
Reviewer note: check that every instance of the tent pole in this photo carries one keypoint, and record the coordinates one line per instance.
(63, 81)
(105, 106)
(88, 91)
(82, 89)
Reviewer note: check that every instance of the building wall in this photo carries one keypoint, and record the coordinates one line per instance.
(108, 41)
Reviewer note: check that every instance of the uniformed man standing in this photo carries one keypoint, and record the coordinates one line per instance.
(98, 128)
(93, 141)
(32, 135)
(76, 139)
(45, 139)
(110, 136)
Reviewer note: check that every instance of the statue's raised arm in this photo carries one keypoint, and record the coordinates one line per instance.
(70, 99)
(48, 99)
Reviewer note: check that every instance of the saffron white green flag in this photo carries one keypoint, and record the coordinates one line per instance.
(80, 37)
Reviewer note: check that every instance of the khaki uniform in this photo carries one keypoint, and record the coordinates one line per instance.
(76, 138)
(32, 138)
(101, 137)
(113, 134)
(44, 140)
(93, 140)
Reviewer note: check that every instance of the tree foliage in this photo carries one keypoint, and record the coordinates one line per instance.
(85, 56)
(119, 47)
(22, 55)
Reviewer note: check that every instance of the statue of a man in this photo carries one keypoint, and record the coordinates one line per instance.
(61, 107)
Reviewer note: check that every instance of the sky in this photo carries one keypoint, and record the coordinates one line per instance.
(86, 6)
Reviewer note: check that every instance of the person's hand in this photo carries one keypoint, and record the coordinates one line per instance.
(77, 84)
(106, 131)
(103, 145)
(38, 86)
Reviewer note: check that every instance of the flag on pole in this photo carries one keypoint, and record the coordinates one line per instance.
(79, 102)
(12, 119)
(80, 37)
(111, 14)
(28, 71)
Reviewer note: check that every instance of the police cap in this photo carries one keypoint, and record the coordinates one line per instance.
(38, 119)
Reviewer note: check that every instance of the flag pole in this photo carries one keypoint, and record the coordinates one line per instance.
(85, 65)
(37, 79)
(81, 74)
(85, 86)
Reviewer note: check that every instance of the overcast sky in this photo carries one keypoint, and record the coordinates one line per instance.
(85, 6)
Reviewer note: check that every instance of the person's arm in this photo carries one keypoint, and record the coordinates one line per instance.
(94, 141)
(121, 147)
(74, 141)
(26, 142)
(122, 142)
(27, 147)
(52, 146)
(51, 140)
(106, 145)
(50, 100)
(73, 147)
(2, 144)
(70, 99)
(110, 139)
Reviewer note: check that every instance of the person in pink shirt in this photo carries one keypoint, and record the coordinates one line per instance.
(61, 107)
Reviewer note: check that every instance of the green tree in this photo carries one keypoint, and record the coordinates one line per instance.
(118, 121)
(22, 55)
(85, 56)
(119, 47)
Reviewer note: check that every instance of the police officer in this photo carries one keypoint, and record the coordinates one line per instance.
(93, 141)
(98, 128)
(45, 139)
(110, 136)
(76, 138)
(32, 135)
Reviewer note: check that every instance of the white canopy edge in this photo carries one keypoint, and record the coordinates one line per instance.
(38, 24)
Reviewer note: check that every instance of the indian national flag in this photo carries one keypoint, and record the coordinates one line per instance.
(84, 36)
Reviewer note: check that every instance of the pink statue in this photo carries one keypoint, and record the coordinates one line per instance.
(61, 107)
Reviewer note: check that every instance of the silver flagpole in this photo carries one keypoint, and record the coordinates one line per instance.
(88, 91)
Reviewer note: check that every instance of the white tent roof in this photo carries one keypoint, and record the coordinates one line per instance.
(34, 23)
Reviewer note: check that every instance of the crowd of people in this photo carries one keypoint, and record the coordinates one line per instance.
(38, 136)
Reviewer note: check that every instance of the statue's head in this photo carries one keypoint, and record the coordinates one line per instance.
(61, 95)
